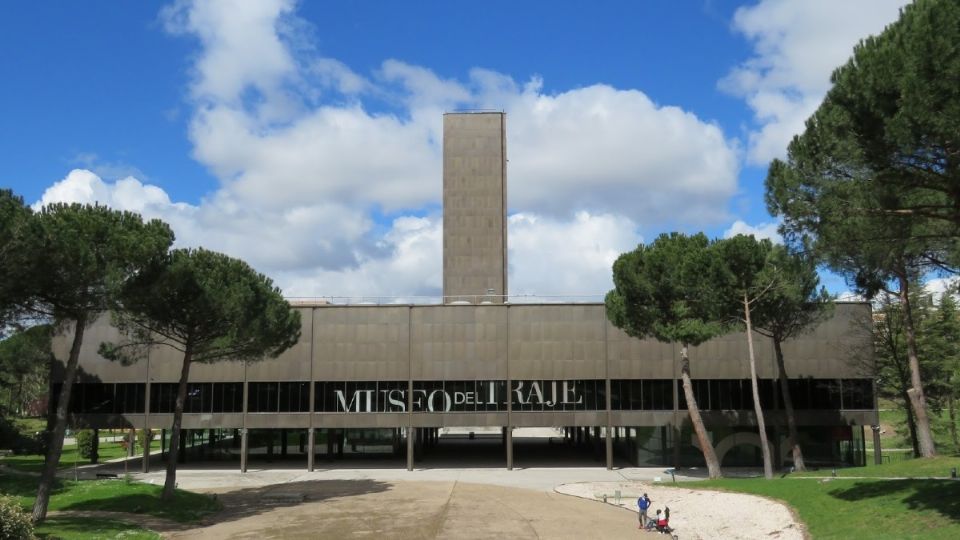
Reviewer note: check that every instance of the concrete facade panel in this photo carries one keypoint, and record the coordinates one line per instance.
(93, 367)
(474, 206)
(360, 343)
(294, 363)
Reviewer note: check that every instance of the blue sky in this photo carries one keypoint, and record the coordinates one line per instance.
(303, 136)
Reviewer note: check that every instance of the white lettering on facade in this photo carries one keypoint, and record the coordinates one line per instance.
(431, 405)
(400, 404)
(519, 392)
(535, 391)
(570, 392)
(439, 400)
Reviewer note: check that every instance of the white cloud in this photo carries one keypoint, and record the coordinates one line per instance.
(305, 149)
(567, 258)
(759, 231)
(939, 286)
(796, 46)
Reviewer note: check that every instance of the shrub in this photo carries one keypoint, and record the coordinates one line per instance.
(12, 438)
(151, 435)
(14, 522)
(86, 445)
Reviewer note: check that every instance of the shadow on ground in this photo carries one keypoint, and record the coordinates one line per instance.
(242, 503)
(942, 496)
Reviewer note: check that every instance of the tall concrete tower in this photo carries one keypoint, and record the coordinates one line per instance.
(474, 207)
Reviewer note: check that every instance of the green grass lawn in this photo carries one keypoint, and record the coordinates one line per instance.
(866, 508)
(912, 468)
(876, 509)
(113, 496)
(69, 456)
(92, 529)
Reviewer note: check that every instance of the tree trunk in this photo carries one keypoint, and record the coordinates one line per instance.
(794, 436)
(917, 398)
(171, 482)
(757, 408)
(951, 411)
(709, 455)
(55, 443)
(911, 424)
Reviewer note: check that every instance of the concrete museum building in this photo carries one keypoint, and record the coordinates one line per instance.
(396, 381)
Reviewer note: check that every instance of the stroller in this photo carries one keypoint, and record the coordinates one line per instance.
(654, 525)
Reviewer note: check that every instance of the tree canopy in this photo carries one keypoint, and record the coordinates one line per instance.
(74, 259)
(13, 218)
(24, 367)
(872, 185)
(660, 291)
(666, 291)
(208, 306)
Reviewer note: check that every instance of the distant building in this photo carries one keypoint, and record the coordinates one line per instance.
(381, 379)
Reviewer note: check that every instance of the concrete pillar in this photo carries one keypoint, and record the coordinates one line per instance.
(509, 448)
(163, 445)
(676, 447)
(182, 454)
(311, 448)
(283, 442)
(145, 466)
(410, 436)
(329, 433)
(244, 440)
(877, 454)
(609, 449)
(95, 446)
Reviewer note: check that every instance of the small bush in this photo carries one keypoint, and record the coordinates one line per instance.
(150, 436)
(12, 438)
(85, 445)
(14, 522)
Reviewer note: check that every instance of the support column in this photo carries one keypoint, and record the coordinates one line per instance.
(676, 447)
(243, 450)
(509, 448)
(609, 449)
(877, 455)
(163, 445)
(182, 454)
(95, 446)
(311, 448)
(145, 466)
(329, 433)
(283, 442)
(410, 448)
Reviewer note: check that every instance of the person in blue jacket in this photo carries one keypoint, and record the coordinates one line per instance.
(643, 503)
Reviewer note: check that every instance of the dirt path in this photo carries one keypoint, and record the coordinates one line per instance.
(367, 508)
(414, 510)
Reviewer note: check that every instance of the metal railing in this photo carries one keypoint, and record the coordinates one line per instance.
(470, 299)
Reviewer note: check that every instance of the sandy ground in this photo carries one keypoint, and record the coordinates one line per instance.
(698, 514)
(460, 490)
(410, 510)
(366, 508)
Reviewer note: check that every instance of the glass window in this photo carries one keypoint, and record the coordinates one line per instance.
(857, 393)
(825, 394)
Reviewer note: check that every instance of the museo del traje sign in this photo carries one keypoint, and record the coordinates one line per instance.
(455, 396)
